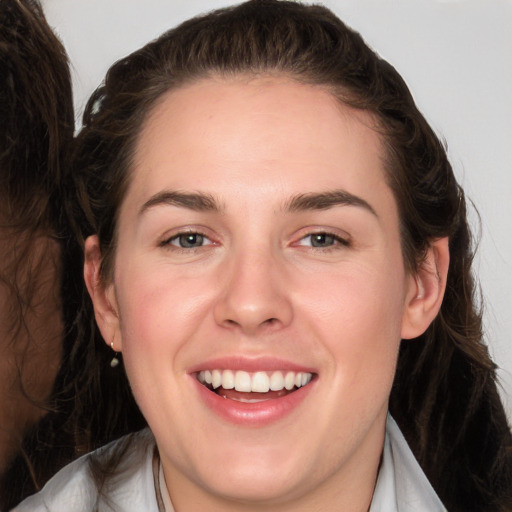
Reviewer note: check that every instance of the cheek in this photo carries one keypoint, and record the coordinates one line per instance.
(158, 310)
(157, 318)
(363, 298)
(358, 317)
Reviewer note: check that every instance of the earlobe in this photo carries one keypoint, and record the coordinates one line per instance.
(426, 290)
(102, 295)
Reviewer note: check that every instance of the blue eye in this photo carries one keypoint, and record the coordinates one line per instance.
(189, 240)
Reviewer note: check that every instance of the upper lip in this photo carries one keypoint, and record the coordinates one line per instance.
(250, 364)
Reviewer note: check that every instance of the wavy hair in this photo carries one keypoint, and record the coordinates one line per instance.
(36, 130)
(444, 396)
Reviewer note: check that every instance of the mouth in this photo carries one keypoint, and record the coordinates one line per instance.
(253, 387)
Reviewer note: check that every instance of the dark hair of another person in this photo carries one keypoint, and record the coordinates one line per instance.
(444, 397)
(36, 129)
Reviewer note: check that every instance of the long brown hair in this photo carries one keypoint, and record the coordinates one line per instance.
(36, 130)
(444, 396)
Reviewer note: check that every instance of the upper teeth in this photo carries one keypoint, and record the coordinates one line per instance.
(259, 382)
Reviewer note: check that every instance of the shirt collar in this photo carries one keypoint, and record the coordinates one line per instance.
(401, 484)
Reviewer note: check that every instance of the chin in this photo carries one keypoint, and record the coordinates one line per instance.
(253, 486)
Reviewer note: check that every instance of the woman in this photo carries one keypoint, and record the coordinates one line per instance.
(36, 128)
(275, 242)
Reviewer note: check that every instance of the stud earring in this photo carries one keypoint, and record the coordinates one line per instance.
(115, 360)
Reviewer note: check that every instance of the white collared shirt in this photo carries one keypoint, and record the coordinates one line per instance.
(401, 484)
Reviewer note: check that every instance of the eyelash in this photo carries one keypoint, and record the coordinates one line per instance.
(337, 241)
(168, 242)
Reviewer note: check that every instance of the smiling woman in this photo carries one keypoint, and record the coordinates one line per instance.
(275, 242)
(264, 285)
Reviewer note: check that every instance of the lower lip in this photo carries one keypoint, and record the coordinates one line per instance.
(253, 414)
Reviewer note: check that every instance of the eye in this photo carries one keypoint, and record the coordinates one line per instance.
(322, 240)
(188, 240)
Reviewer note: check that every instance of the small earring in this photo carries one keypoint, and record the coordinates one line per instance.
(115, 360)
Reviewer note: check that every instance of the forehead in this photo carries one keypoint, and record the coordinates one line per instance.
(230, 131)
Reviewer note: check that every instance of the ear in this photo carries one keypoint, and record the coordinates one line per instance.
(102, 295)
(426, 290)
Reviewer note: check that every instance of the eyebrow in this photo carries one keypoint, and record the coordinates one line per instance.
(326, 200)
(201, 202)
(191, 200)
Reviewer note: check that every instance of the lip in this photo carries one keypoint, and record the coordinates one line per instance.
(256, 364)
(252, 414)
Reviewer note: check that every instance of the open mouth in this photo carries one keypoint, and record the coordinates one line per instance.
(253, 387)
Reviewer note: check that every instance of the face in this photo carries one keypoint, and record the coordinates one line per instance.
(259, 254)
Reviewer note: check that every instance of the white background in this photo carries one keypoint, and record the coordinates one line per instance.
(456, 56)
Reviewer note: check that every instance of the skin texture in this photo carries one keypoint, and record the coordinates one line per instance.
(257, 288)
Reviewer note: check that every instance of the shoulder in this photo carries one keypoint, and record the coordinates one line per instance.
(74, 487)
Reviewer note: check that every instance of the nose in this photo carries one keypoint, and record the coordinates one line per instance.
(254, 296)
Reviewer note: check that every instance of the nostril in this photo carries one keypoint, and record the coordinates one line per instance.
(267, 322)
